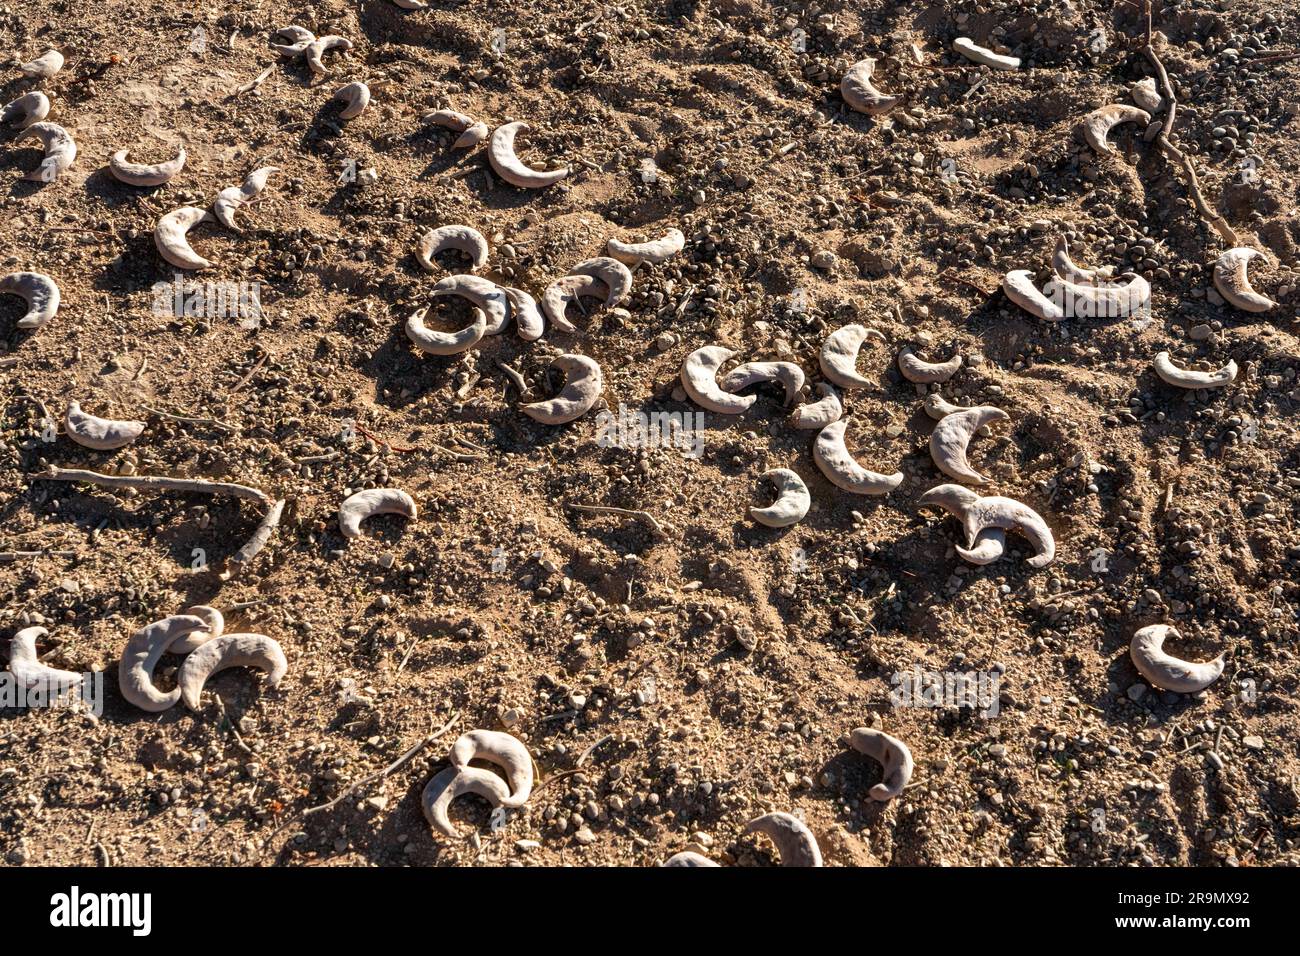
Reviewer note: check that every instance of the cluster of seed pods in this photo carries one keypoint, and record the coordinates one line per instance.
(500, 750)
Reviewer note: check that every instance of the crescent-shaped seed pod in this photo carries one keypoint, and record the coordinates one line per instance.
(374, 501)
(171, 236)
(215, 625)
(472, 132)
(298, 37)
(507, 752)
(1018, 286)
(820, 413)
(141, 174)
(60, 151)
(609, 271)
(1171, 374)
(570, 288)
(795, 843)
(526, 315)
(583, 383)
(501, 154)
(411, 4)
(751, 373)
(792, 500)
(1145, 95)
(27, 109)
(1128, 294)
(445, 343)
(30, 672)
(936, 406)
(842, 470)
(317, 48)
(839, 355)
(1065, 268)
(461, 238)
(1166, 671)
(977, 513)
(990, 544)
(101, 434)
(232, 198)
(143, 651)
(983, 55)
(40, 293)
(891, 753)
(926, 373)
(480, 293)
(688, 858)
(355, 97)
(654, 252)
(1097, 124)
(953, 433)
(859, 92)
(700, 381)
(1233, 282)
(451, 783)
(222, 653)
(43, 67)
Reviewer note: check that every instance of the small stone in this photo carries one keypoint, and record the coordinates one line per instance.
(823, 259)
(1199, 333)
(1253, 742)
(1136, 692)
(585, 836)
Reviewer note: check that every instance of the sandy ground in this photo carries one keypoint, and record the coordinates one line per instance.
(671, 686)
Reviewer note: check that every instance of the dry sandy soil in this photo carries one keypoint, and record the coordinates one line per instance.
(670, 688)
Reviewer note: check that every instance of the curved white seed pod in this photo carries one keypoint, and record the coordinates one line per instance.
(1145, 95)
(102, 434)
(317, 48)
(859, 92)
(699, 379)
(40, 293)
(222, 653)
(525, 313)
(1018, 285)
(915, 370)
(842, 470)
(501, 154)
(298, 37)
(609, 271)
(1233, 283)
(936, 406)
(1166, 671)
(891, 753)
(688, 858)
(977, 513)
(1171, 374)
(143, 651)
(1065, 268)
(27, 109)
(794, 841)
(230, 199)
(411, 4)
(839, 356)
(583, 383)
(355, 97)
(215, 623)
(43, 67)
(558, 295)
(950, 437)
(507, 752)
(990, 544)
(751, 373)
(30, 672)
(1111, 298)
(472, 132)
(462, 238)
(445, 343)
(655, 251)
(1100, 122)
(171, 237)
(480, 293)
(983, 55)
(451, 783)
(60, 151)
(140, 174)
(374, 501)
(820, 413)
(792, 500)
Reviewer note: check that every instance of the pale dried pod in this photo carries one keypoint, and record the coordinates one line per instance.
(299, 38)
(894, 756)
(60, 151)
(1166, 671)
(839, 355)
(1171, 374)
(699, 380)
(688, 858)
(355, 97)
(508, 166)
(358, 507)
(318, 48)
(525, 313)
(788, 374)
(144, 174)
(842, 470)
(43, 67)
(214, 622)
(222, 653)
(915, 369)
(472, 132)
(655, 251)
(30, 672)
(1018, 286)
(936, 406)
(861, 94)
(1098, 124)
(1145, 94)
(503, 750)
(1233, 282)
(464, 239)
(794, 842)
(1065, 268)
(101, 434)
(583, 383)
(143, 651)
(482, 294)
(952, 435)
(39, 291)
(983, 55)
(978, 513)
(1125, 295)
(567, 289)
(27, 109)
(171, 237)
(231, 199)
(450, 783)
(820, 413)
(792, 500)
(445, 343)
(610, 271)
